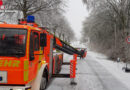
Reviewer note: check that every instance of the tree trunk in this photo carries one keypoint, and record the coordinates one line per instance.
(25, 9)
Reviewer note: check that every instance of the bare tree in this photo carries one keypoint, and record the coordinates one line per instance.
(48, 14)
(29, 7)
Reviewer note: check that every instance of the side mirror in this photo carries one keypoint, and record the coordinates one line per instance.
(54, 41)
(31, 52)
(43, 39)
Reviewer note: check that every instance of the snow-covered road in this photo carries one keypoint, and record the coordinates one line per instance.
(91, 75)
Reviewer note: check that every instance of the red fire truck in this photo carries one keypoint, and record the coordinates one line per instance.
(27, 58)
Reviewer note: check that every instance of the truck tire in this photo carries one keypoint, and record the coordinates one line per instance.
(43, 84)
(59, 65)
(56, 65)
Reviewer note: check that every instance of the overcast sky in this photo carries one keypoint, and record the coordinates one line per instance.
(76, 13)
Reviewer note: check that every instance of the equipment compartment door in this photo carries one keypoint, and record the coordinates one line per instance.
(51, 58)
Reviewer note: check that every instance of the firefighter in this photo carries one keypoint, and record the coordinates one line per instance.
(82, 54)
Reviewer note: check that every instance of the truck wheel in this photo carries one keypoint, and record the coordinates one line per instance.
(43, 83)
(56, 65)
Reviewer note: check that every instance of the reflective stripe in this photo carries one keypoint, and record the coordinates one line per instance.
(26, 65)
(40, 57)
(25, 75)
(10, 63)
(26, 68)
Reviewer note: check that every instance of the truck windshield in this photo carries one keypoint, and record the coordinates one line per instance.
(12, 42)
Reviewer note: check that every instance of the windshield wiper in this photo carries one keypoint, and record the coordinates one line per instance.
(19, 52)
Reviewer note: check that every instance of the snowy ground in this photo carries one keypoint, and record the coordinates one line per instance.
(113, 67)
(94, 73)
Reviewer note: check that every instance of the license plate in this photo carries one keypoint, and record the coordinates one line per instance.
(3, 77)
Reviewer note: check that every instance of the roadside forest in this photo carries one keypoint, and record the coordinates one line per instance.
(108, 26)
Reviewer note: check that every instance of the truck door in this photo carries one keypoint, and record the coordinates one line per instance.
(34, 58)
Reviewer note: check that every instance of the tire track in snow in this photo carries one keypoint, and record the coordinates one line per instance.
(108, 81)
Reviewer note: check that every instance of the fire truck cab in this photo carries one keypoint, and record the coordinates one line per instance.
(22, 57)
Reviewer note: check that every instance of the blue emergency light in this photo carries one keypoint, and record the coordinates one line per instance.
(1, 78)
(30, 19)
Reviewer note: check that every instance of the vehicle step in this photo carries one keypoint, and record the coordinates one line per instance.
(61, 75)
(66, 63)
